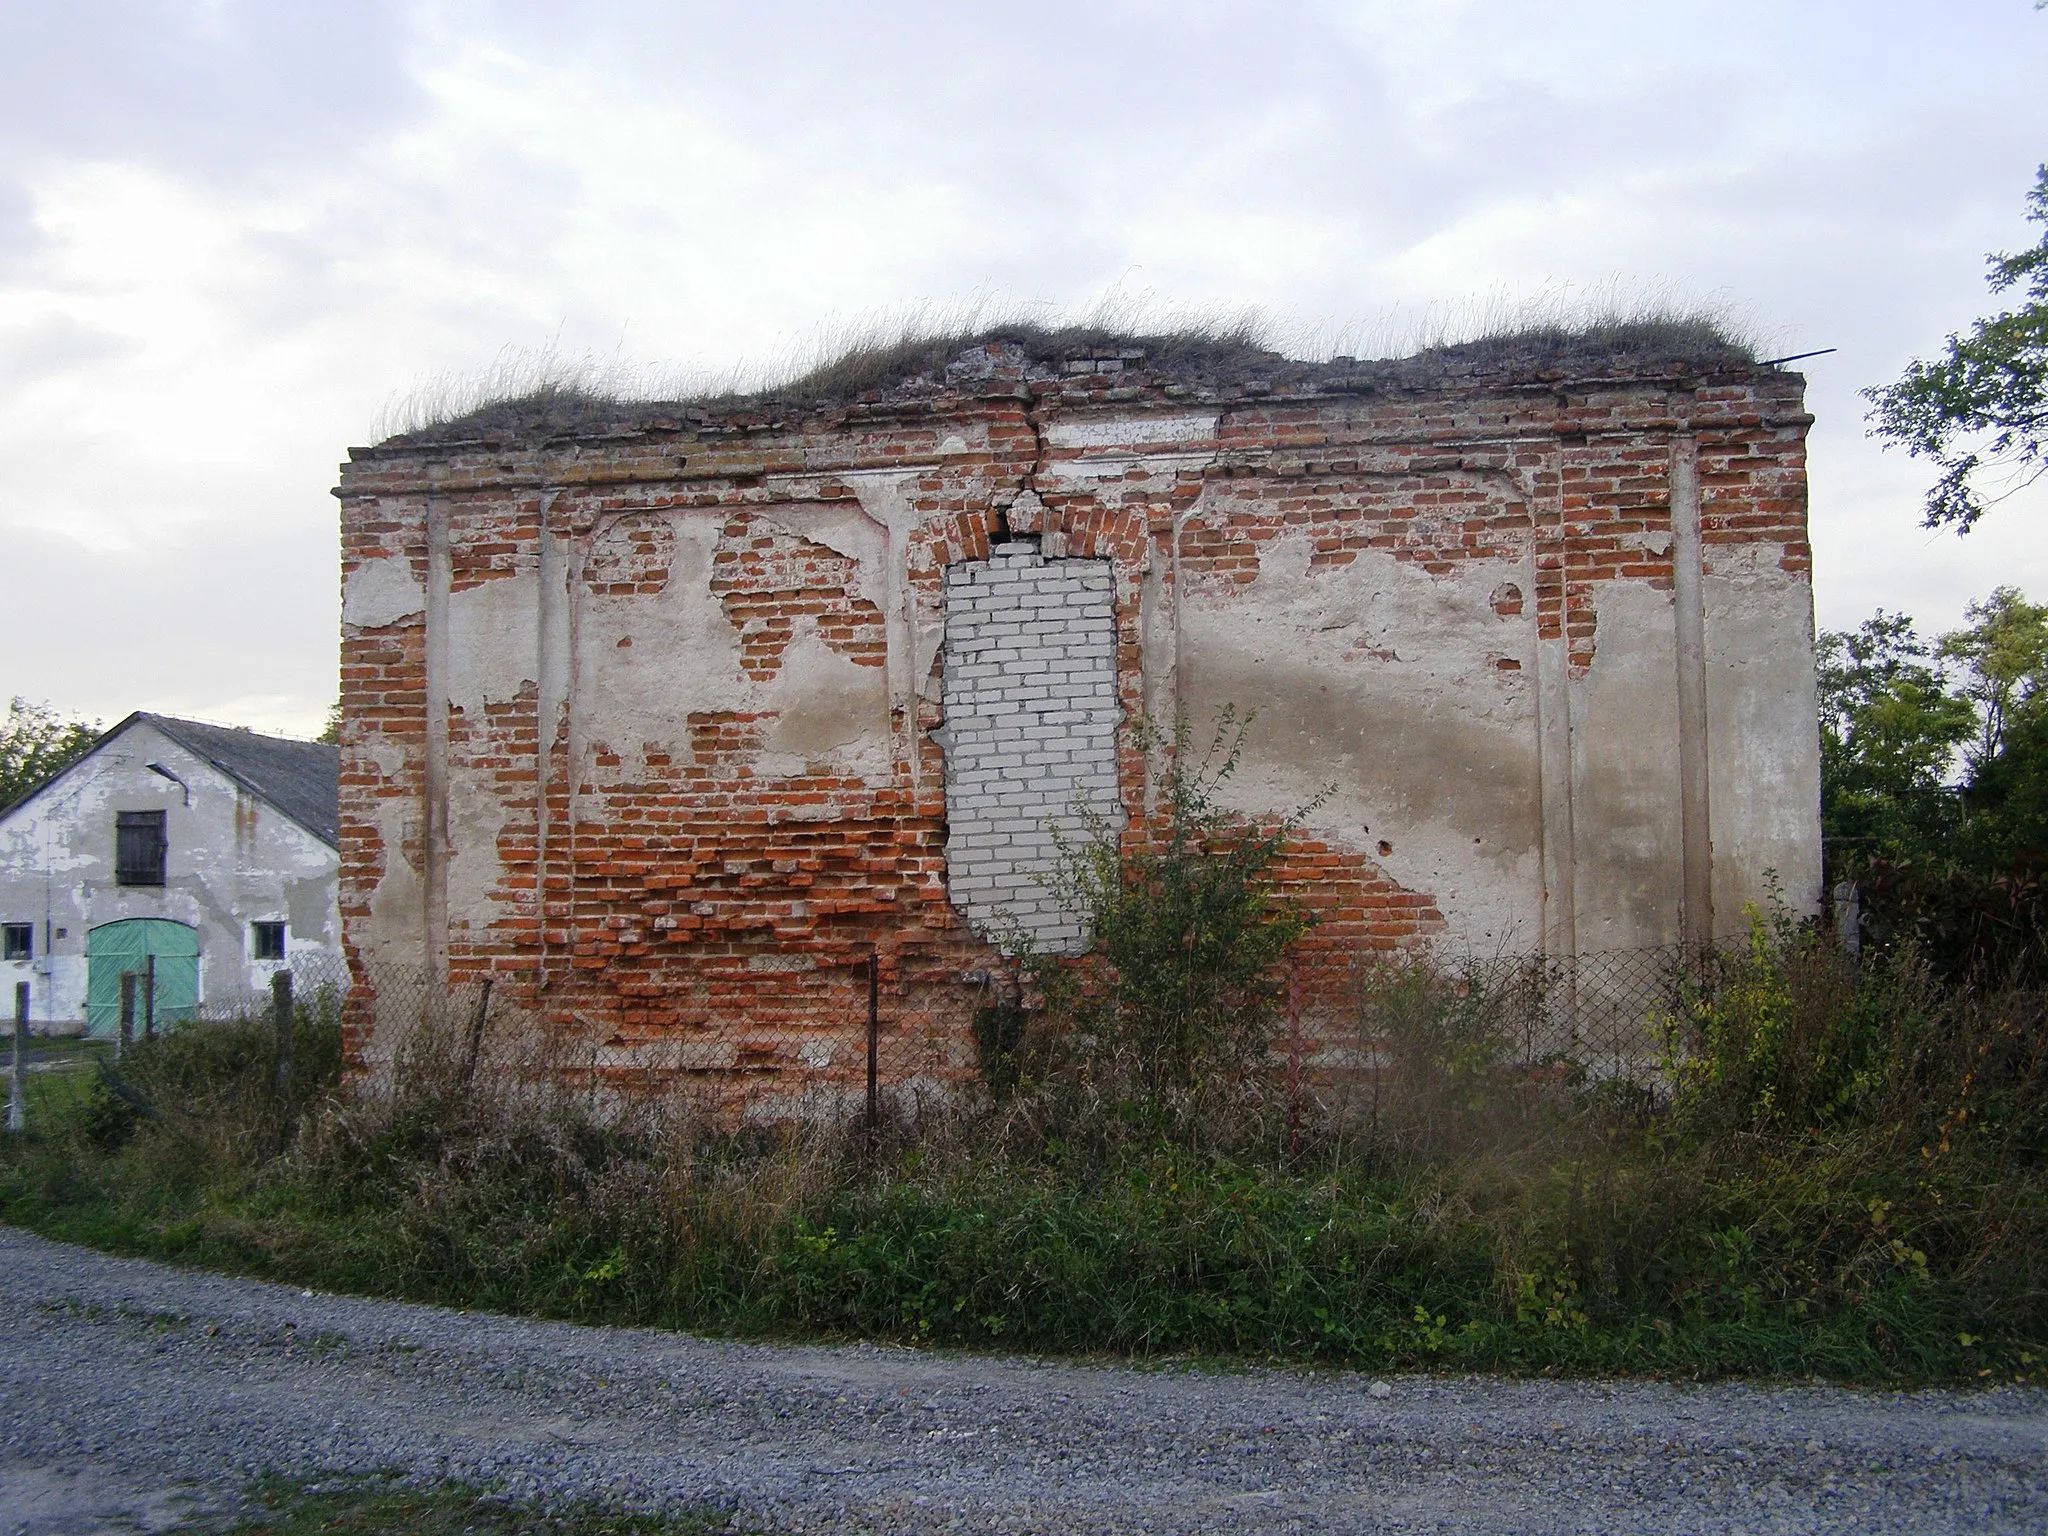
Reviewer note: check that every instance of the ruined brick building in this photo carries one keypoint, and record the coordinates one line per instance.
(669, 713)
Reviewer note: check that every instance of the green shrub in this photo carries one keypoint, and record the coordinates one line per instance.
(1170, 1014)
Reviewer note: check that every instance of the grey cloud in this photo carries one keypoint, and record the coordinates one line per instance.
(107, 633)
(212, 89)
(40, 348)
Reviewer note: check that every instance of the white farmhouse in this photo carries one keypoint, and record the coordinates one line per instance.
(202, 855)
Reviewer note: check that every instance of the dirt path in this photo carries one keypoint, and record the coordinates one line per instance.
(132, 1394)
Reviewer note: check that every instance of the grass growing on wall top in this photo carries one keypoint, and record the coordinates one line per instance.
(546, 390)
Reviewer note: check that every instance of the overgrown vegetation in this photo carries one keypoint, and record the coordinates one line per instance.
(1934, 791)
(545, 391)
(1166, 1020)
(1844, 1172)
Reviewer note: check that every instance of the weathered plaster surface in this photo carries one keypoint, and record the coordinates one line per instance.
(1625, 758)
(1764, 749)
(1382, 706)
(647, 663)
(381, 592)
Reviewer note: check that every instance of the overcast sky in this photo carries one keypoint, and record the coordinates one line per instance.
(231, 234)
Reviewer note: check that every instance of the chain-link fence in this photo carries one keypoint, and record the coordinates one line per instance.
(778, 1034)
(768, 1035)
(1605, 1016)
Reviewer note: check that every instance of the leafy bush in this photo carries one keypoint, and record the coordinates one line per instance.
(1170, 1013)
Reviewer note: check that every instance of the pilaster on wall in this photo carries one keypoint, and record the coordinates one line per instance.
(1696, 912)
(1555, 772)
(551, 670)
(440, 581)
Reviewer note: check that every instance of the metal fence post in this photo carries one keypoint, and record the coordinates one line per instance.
(17, 1114)
(874, 1038)
(477, 1022)
(149, 997)
(127, 1036)
(281, 1020)
(1294, 1058)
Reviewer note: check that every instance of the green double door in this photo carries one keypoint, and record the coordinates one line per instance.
(113, 948)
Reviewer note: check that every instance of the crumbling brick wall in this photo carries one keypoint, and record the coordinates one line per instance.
(650, 709)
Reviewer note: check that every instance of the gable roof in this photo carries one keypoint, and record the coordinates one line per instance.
(300, 778)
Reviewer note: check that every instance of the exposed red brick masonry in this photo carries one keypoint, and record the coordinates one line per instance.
(705, 875)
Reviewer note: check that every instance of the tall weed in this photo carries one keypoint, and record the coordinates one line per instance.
(1843, 1175)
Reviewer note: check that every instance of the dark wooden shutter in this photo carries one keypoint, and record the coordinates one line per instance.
(139, 847)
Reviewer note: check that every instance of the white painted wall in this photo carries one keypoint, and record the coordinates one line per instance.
(233, 860)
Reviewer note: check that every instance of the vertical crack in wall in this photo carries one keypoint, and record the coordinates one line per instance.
(1021, 512)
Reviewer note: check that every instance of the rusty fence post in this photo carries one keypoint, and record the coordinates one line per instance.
(1293, 1058)
(874, 1039)
(149, 997)
(127, 1036)
(17, 1112)
(281, 1021)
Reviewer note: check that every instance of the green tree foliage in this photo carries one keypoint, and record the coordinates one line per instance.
(2004, 653)
(1937, 753)
(1934, 783)
(1889, 730)
(1177, 997)
(1981, 410)
(35, 743)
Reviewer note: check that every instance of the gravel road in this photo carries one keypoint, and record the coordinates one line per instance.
(133, 1395)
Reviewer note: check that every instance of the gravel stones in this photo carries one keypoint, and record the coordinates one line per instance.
(163, 1384)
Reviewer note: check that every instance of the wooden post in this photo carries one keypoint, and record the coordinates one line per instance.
(281, 1021)
(874, 1039)
(127, 1036)
(17, 1116)
(149, 997)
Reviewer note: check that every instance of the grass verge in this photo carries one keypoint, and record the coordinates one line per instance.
(1843, 1178)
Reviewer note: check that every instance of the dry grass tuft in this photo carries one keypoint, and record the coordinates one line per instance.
(545, 391)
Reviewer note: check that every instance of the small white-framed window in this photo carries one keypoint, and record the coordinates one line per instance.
(266, 941)
(17, 941)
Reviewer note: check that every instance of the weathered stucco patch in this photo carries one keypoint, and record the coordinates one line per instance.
(309, 910)
(650, 661)
(828, 707)
(1124, 433)
(380, 592)
(1380, 687)
(1763, 778)
(476, 815)
(1625, 763)
(398, 911)
(492, 655)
